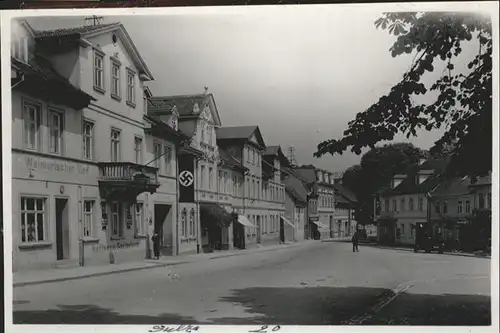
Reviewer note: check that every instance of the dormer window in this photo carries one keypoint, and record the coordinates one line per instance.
(19, 48)
(173, 122)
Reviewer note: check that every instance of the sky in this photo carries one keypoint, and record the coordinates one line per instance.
(301, 76)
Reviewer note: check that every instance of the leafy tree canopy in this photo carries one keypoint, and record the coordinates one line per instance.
(464, 98)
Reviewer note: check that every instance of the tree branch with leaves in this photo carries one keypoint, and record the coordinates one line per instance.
(464, 103)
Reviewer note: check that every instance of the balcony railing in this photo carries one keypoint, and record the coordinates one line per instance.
(126, 171)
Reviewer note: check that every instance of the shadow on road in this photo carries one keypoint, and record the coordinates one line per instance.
(306, 305)
(337, 306)
(91, 314)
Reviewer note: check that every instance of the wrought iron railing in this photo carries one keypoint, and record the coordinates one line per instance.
(126, 171)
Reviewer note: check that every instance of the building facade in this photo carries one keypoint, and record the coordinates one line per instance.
(263, 202)
(83, 186)
(296, 203)
(406, 202)
(321, 201)
(345, 205)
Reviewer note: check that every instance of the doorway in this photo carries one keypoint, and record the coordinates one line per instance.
(282, 231)
(62, 229)
(331, 226)
(165, 236)
(258, 229)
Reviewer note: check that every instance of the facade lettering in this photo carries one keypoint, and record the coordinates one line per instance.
(36, 163)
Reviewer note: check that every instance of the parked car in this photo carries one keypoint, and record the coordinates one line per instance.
(424, 240)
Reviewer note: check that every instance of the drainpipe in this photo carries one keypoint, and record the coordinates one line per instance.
(175, 251)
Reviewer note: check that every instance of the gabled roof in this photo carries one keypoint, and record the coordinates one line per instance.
(296, 188)
(410, 185)
(85, 32)
(240, 133)
(276, 151)
(456, 186)
(185, 105)
(161, 129)
(344, 192)
(76, 30)
(45, 78)
(230, 160)
(485, 180)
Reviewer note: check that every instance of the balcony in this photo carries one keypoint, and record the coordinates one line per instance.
(125, 181)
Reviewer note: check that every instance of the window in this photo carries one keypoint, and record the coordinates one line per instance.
(467, 207)
(394, 205)
(386, 205)
(192, 229)
(168, 159)
(202, 133)
(88, 140)
(98, 71)
(138, 150)
(220, 190)
(139, 218)
(403, 204)
(55, 131)
(115, 146)
(411, 206)
(437, 207)
(32, 119)
(33, 220)
(226, 182)
(460, 207)
(445, 207)
(173, 122)
(157, 153)
(88, 206)
(489, 200)
(184, 223)
(481, 200)
(210, 178)
(130, 87)
(402, 229)
(420, 204)
(202, 177)
(115, 80)
(258, 190)
(209, 131)
(116, 218)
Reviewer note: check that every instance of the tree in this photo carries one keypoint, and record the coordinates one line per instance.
(376, 169)
(464, 102)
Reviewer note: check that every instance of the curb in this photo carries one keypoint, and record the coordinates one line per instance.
(458, 254)
(153, 265)
(61, 279)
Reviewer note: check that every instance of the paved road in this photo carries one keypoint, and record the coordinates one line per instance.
(313, 284)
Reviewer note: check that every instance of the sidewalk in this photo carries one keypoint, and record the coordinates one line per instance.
(25, 278)
(410, 249)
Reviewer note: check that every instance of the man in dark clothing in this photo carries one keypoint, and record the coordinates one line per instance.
(355, 242)
(156, 244)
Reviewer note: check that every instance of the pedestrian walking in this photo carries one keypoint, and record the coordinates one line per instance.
(355, 242)
(156, 244)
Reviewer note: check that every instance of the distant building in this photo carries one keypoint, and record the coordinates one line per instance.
(296, 203)
(405, 202)
(345, 206)
(321, 201)
(264, 191)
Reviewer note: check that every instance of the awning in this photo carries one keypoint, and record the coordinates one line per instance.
(287, 221)
(244, 221)
(320, 225)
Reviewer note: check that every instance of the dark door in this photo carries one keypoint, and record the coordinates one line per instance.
(161, 212)
(258, 229)
(282, 231)
(60, 227)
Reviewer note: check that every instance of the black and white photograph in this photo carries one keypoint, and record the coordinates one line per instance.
(264, 166)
